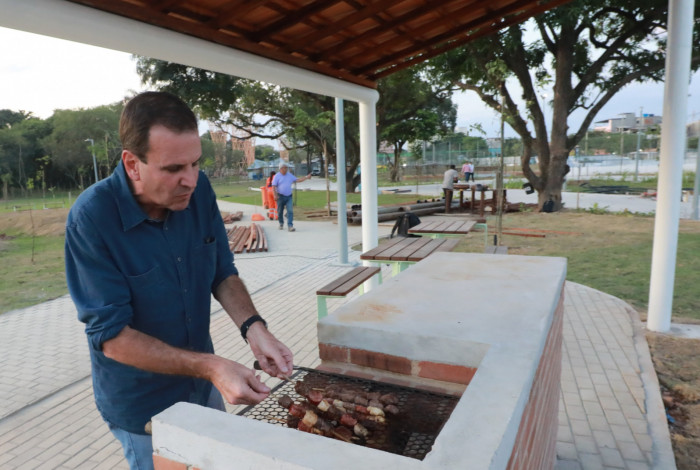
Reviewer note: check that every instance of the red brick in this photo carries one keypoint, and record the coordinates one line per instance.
(446, 372)
(162, 463)
(329, 352)
(397, 364)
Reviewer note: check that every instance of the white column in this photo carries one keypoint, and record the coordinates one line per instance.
(673, 140)
(368, 166)
(340, 175)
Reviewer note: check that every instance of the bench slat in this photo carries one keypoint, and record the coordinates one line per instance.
(381, 248)
(347, 282)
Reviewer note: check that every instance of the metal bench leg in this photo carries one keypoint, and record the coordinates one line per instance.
(486, 233)
(321, 306)
(361, 287)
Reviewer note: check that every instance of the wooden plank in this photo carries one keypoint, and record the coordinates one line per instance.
(390, 252)
(378, 249)
(454, 227)
(242, 239)
(250, 243)
(424, 227)
(448, 244)
(361, 277)
(465, 227)
(407, 252)
(235, 237)
(334, 287)
(425, 250)
(263, 239)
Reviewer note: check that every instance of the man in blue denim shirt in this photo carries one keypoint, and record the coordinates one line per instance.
(145, 250)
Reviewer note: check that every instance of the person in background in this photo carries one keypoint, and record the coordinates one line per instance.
(470, 172)
(268, 183)
(282, 185)
(145, 250)
(465, 171)
(448, 184)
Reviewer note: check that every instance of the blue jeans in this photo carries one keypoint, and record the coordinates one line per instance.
(282, 202)
(138, 448)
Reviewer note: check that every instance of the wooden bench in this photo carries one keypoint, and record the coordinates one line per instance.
(344, 285)
(496, 250)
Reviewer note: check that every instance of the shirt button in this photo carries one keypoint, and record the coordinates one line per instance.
(184, 290)
(179, 259)
(166, 228)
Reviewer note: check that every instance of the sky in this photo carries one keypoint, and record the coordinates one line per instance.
(41, 74)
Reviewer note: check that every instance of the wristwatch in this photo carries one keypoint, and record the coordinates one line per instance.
(247, 324)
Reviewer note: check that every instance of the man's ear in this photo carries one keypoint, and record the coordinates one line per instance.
(131, 165)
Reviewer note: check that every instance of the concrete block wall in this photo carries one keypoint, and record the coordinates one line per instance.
(535, 444)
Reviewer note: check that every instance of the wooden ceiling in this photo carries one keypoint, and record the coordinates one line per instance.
(358, 41)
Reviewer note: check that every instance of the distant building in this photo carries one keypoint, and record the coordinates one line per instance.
(494, 146)
(628, 122)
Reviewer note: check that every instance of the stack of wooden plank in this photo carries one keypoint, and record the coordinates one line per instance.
(247, 239)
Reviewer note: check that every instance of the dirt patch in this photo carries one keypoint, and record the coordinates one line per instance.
(677, 364)
(38, 222)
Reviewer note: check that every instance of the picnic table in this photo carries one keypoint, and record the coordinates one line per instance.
(451, 228)
(472, 204)
(403, 252)
(443, 228)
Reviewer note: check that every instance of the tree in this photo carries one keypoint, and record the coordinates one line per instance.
(20, 148)
(587, 51)
(303, 120)
(410, 109)
(67, 146)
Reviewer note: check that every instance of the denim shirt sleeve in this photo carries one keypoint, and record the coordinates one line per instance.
(99, 290)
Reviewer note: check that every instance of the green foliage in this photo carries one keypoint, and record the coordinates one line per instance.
(586, 52)
(409, 108)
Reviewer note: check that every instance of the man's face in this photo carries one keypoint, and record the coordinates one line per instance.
(283, 170)
(168, 179)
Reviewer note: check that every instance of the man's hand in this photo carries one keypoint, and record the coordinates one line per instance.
(237, 384)
(274, 357)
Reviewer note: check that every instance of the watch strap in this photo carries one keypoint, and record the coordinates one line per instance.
(247, 324)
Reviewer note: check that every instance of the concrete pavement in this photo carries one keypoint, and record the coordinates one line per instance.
(610, 414)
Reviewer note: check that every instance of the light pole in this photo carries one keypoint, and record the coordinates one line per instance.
(94, 160)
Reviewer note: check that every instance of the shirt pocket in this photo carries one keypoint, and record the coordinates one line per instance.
(149, 296)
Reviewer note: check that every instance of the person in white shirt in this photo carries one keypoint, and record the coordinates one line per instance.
(448, 184)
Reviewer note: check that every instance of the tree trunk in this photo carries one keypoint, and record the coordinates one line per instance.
(394, 174)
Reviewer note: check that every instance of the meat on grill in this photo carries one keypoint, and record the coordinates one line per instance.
(304, 417)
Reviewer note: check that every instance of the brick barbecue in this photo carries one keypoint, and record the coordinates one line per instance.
(485, 330)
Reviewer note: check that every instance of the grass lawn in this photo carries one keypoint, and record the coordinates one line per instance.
(609, 252)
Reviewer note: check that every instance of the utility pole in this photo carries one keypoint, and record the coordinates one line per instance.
(696, 186)
(499, 177)
(94, 160)
(639, 136)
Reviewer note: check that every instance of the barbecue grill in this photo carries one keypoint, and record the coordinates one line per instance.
(481, 381)
(411, 433)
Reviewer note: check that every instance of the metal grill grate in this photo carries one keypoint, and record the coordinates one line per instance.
(411, 433)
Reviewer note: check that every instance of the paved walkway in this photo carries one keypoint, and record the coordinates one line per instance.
(610, 414)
